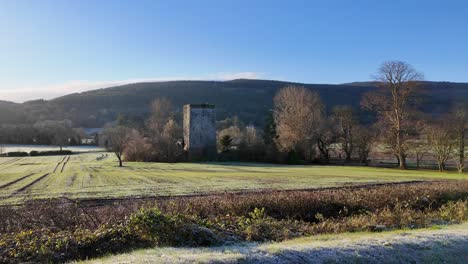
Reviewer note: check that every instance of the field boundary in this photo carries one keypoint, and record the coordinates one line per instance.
(259, 191)
(95, 202)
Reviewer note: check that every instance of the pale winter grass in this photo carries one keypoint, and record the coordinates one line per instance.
(29, 148)
(96, 175)
(443, 244)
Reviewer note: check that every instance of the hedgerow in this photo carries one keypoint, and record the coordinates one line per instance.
(59, 232)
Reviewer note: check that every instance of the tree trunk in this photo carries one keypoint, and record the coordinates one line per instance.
(461, 150)
(348, 156)
(119, 157)
(401, 161)
(460, 167)
(441, 166)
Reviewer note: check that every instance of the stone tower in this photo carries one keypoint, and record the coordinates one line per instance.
(200, 131)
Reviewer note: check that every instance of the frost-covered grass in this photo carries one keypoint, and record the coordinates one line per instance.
(29, 148)
(96, 175)
(442, 244)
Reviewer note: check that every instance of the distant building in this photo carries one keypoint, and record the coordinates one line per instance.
(200, 131)
(91, 136)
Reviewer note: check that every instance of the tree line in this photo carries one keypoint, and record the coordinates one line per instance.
(299, 129)
(303, 128)
(49, 132)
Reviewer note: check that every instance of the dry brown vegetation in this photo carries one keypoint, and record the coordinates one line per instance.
(66, 214)
(59, 230)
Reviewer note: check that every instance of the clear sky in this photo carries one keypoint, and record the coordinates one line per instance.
(49, 48)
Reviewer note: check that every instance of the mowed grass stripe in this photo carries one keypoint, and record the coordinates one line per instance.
(19, 189)
(15, 181)
(6, 178)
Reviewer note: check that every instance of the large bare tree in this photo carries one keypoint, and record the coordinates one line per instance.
(345, 122)
(441, 139)
(394, 103)
(297, 113)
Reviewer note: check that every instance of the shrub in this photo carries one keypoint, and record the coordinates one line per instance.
(259, 227)
(61, 230)
(17, 154)
(147, 228)
(454, 211)
(50, 153)
(159, 229)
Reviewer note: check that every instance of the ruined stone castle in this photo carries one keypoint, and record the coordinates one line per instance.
(200, 131)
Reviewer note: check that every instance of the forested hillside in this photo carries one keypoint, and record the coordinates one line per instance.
(248, 99)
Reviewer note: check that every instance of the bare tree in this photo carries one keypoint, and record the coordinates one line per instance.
(60, 131)
(460, 124)
(297, 113)
(442, 141)
(138, 148)
(325, 136)
(165, 133)
(419, 149)
(252, 146)
(364, 141)
(417, 144)
(251, 136)
(345, 122)
(116, 139)
(172, 134)
(161, 111)
(394, 103)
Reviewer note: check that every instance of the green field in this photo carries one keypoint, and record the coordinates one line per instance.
(96, 175)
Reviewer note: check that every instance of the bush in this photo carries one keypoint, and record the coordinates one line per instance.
(60, 230)
(17, 154)
(259, 227)
(160, 229)
(150, 227)
(147, 228)
(44, 245)
(50, 153)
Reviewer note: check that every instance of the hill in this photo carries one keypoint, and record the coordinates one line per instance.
(249, 99)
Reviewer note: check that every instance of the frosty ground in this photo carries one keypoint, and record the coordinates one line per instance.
(439, 244)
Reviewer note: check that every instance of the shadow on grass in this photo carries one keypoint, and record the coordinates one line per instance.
(449, 250)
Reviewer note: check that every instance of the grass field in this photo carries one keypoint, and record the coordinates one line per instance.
(96, 175)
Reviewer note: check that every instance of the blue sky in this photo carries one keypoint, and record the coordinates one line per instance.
(53, 47)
